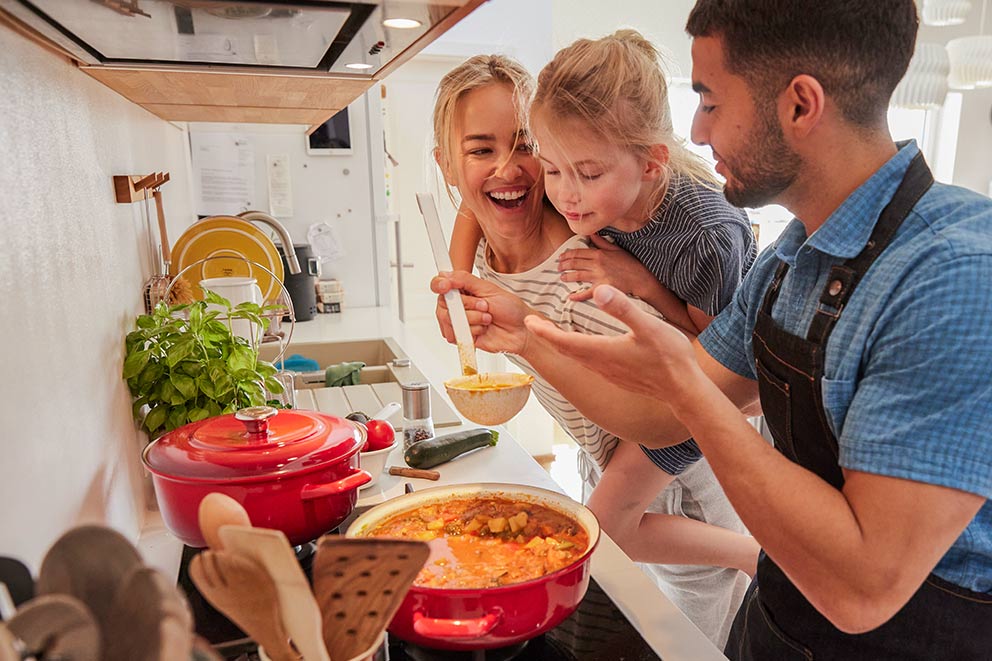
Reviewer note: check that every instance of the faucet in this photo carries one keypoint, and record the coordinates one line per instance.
(284, 238)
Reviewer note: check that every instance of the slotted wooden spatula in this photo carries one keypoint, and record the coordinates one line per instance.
(359, 584)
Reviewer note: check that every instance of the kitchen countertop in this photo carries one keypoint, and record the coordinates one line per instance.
(659, 621)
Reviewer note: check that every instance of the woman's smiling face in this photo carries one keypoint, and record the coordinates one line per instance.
(495, 171)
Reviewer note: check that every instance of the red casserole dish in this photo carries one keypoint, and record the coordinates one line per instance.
(294, 471)
(484, 618)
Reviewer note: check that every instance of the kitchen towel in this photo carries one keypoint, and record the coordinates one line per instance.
(343, 374)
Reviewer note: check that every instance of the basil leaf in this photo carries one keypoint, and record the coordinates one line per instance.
(135, 362)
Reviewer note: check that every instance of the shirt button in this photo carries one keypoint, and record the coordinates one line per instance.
(835, 287)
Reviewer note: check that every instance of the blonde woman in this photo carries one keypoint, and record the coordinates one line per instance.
(485, 153)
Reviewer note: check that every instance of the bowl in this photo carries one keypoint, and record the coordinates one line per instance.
(374, 462)
(490, 398)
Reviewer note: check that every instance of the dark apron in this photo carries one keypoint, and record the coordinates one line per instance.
(775, 622)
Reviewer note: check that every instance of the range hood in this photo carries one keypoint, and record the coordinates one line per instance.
(201, 53)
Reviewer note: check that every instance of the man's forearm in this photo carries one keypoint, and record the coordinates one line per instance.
(623, 413)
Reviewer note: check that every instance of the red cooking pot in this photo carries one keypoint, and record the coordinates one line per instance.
(294, 471)
(484, 618)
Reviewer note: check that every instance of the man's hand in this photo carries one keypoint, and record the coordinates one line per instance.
(606, 264)
(495, 315)
(653, 359)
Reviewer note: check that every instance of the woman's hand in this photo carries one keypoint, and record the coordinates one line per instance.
(495, 315)
(606, 264)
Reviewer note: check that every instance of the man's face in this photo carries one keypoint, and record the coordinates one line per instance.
(746, 138)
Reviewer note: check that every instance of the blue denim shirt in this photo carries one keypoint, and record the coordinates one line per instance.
(906, 387)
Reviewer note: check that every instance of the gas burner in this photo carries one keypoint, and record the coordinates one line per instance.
(304, 552)
(417, 653)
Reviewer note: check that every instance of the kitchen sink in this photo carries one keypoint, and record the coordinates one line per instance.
(386, 367)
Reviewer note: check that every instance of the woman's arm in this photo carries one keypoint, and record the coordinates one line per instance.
(661, 538)
(465, 237)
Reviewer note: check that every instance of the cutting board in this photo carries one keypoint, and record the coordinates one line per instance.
(369, 398)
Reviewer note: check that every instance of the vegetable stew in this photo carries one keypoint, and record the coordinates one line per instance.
(487, 542)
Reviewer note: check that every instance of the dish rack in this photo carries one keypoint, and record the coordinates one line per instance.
(282, 305)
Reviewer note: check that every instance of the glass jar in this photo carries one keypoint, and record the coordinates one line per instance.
(417, 423)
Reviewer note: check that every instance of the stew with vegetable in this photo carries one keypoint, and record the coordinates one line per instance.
(487, 542)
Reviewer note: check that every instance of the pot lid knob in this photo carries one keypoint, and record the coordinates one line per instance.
(256, 419)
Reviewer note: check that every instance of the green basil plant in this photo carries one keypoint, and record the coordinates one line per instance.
(183, 364)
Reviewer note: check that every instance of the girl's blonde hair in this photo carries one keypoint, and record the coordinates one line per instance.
(616, 85)
(476, 72)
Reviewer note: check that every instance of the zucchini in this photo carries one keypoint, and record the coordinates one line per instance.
(438, 450)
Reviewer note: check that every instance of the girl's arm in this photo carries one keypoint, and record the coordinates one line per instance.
(661, 538)
(465, 237)
(612, 265)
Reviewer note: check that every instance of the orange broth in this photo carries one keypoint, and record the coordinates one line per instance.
(487, 542)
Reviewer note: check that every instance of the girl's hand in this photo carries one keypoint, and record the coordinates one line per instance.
(605, 264)
(495, 315)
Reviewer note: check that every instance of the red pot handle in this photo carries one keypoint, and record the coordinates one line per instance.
(435, 627)
(349, 483)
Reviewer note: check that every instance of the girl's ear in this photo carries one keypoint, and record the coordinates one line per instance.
(449, 176)
(656, 164)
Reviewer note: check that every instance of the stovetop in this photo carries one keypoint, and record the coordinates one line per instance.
(596, 631)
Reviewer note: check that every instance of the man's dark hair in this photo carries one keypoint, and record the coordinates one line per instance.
(857, 49)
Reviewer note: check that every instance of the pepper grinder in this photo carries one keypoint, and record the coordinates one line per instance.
(417, 423)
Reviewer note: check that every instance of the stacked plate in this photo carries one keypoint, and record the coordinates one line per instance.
(227, 246)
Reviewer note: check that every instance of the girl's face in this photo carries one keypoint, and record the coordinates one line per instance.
(592, 182)
(494, 167)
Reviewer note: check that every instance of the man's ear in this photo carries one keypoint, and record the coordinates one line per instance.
(802, 105)
(656, 164)
(449, 176)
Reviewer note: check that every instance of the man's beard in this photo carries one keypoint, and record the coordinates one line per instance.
(768, 168)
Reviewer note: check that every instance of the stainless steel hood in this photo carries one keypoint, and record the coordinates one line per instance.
(352, 38)
(296, 62)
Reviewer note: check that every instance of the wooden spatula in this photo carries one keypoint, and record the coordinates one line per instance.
(57, 626)
(88, 563)
(300, 614)
(216, 510)
(149, 619)
(8, 645)
(359, 584)
(242, 589)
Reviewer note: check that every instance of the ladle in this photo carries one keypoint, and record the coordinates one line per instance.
(453, 298)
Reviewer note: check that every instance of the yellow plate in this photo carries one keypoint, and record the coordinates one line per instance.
(229, 241)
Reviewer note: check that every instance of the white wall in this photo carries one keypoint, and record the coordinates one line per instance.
(72, 264)
(331, 189)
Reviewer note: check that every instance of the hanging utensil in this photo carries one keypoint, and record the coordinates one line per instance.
(57, 626)
(453, 299)
(148, 619)
(158, 283)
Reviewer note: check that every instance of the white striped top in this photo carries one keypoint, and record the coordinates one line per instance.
(541, 288)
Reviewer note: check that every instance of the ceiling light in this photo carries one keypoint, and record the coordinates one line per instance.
(359, 65)
(925, 82)
(971, 58)
(945, 12)
(402, 23)
(971, 62)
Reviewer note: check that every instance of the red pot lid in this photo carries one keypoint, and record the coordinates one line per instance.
(254, 442)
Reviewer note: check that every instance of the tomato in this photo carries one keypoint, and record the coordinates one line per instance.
(381, 435)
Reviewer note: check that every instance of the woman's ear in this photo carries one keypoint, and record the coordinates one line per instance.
(449, 176)
(656, 164)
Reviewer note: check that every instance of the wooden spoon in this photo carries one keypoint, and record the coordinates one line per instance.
(88, 563)
(360, 583)
(149, 619)
(300, 614)
(216, 510)
(241, 588)
(57, 626)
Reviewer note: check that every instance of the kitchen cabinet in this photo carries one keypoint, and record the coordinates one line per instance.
(210, 61)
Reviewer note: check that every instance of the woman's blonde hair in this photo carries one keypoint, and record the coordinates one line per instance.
(616, 85)
(476, 72)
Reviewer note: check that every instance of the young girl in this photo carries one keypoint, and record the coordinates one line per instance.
(482, 151)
